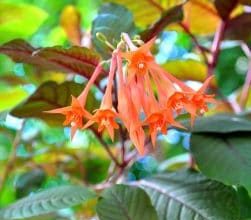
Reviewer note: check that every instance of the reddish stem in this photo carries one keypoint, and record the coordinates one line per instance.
(216, 47)
(194, 39)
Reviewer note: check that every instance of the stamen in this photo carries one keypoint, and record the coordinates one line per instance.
(141, 65)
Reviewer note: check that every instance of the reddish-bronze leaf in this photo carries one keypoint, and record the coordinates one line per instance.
(172, 15)
(238, 28)
(75, 59)
(225, 8)
(245, 2)
(51, 95)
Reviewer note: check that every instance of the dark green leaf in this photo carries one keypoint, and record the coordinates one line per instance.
(187, 195)
(221, 124)
(111, 21)
(29, 181)
(51, 95)
(230, 69)
(144, 12)
(172, 15)
(125, 203)
(237, 27)
(245, 202)
(225, 8)
(75, 59)
(47, 201)
(224, 157)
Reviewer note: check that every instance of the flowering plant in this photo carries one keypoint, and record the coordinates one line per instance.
(125, 110)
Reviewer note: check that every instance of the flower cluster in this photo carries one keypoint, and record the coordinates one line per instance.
(148, 97)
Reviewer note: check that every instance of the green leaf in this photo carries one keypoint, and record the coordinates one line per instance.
(224, 157)
(144, 12)
(221, 124)
(10, 97)
(19, 20)
(225, 8)
(231, 69)
(29, 181)
(170, 16)
(125, 203)
(245, 202)
(75, 59)
(187, 69)
(236, 27)
(51, 95)
(111, 21)
(47, 201)
(187, 195)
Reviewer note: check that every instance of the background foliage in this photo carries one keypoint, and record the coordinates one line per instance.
(49, 49)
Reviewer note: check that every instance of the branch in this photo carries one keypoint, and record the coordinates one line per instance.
(12, 158)
(106, 147)
(121, 130)
(245, 89)
(216, 47)
(194, 39)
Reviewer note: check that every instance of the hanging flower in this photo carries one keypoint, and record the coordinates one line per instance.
(147, 95)
(105, 116)
(75, 114)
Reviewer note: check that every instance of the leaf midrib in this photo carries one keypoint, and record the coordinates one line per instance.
(154, 187)
(120, 203)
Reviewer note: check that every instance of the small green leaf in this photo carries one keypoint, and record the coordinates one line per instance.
(145, 12)
(231, 69)
(47, 201)
(224, 157)
(125, 203)
(51, 95)
(111, 21)
(29, 181)
(19, 20)
(187, 195)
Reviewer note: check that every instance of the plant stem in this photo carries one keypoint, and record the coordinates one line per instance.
(245, 89)
(121, 130)
(194, 39)
(106, 147)
(12, 158)
(128, 41)
(216, 47)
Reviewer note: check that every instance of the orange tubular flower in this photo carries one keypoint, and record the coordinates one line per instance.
(140, 60)
(144, 90)
(128, 111)
(74, 113)
(159, 122)
(105, 116)
(197, 101)
(193, 102)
